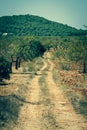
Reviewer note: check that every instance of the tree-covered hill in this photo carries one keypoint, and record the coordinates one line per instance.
(35, 25)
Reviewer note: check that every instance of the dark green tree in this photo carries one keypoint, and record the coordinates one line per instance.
(28, 50)
(4, 68)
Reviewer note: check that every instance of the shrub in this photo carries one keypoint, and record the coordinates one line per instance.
(31, 66)
(65, 67)
(24, 69)
(4, 68)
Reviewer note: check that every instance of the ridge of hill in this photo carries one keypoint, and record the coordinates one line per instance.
(22, 25)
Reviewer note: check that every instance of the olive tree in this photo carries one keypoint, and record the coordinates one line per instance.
(28, 50)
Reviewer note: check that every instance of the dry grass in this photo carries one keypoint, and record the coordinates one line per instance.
(74, 86)
(71, 78)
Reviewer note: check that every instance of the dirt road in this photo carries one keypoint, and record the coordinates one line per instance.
(45, 106)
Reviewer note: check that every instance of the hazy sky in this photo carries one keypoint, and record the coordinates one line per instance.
(71, 12)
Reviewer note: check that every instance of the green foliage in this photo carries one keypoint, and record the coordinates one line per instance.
(23, 25)
(77, 51)
(30, 47)
(28, 50)
(4, 68)
(58, 53)
(5, 58)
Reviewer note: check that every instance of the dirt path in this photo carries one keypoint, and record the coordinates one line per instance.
(30, 118)
(45, 106)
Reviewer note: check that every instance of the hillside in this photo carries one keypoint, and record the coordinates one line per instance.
(35, 25)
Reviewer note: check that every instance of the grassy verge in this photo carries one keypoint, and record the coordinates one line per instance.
(9, 110)
(10, 106)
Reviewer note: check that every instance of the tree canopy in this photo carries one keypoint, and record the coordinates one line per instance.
(28, 50)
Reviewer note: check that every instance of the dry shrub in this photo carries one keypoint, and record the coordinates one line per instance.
(71, 77)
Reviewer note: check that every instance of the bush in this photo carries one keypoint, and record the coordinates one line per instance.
(24, 69)
(31, 66)
(65, 67)
(4, 68)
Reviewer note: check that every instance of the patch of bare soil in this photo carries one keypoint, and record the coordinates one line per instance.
(43, 105)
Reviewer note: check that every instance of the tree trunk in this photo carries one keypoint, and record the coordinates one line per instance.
(19, 62)
(84, 67)
(11, 64)
(11, 67)
(16, 65)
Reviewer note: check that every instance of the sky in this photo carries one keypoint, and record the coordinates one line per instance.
(70, 12)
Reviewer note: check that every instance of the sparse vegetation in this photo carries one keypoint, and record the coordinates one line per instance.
(24, 69)
(74, 86)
